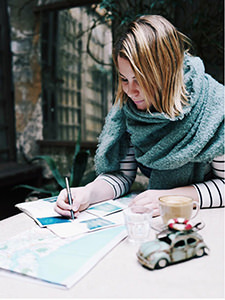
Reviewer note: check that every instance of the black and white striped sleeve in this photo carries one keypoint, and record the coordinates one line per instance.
(211, 192)
(123, 179)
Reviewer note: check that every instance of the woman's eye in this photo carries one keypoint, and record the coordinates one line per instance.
(123, 79)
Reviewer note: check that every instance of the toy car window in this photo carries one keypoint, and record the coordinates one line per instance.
(165, 239)
(179, 244)
(191, 241)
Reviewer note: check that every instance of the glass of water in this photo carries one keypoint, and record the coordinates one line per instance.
(138, 223)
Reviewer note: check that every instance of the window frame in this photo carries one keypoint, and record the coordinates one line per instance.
(54, 138)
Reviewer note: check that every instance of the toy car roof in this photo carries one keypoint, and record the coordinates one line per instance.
(175, 234)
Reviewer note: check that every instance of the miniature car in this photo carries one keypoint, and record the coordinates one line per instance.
(171, 247)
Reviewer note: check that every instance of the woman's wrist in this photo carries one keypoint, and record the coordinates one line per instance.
(99, 190)
(188, 191)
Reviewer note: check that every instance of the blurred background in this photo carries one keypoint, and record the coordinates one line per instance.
(57, 82)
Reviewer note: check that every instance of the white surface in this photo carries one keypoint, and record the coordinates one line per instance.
(119, 275)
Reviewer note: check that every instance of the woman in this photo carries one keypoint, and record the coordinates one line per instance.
(167, 120)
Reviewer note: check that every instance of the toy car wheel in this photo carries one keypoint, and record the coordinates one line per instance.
(162, 263)
(200, 252)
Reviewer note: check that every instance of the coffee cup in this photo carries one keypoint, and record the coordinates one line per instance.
(172, 207)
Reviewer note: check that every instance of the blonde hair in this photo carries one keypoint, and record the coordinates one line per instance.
(155, 50)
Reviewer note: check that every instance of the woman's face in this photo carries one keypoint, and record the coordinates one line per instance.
(129, 83)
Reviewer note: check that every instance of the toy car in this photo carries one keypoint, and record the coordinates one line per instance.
(178, 242)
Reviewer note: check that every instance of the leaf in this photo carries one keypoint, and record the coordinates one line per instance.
(33, 188)
(52, 165)
(87, 178)
(77, 150)
(79, 167)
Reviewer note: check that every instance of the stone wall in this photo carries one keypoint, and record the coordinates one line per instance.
(26, 74)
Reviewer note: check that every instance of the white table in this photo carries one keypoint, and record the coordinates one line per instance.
(119, 275)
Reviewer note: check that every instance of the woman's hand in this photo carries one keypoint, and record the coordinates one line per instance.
(96, 191)
(80, 198)
(150, 198)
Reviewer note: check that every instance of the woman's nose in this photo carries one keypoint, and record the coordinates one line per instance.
(132, 90)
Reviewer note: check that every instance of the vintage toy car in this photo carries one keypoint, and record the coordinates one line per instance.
(178, 242)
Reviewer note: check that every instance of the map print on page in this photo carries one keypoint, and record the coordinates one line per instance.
(40, 254)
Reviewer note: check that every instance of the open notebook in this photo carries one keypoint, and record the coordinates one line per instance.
(99, 216)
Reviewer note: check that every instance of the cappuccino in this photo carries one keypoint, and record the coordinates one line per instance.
(172, 207)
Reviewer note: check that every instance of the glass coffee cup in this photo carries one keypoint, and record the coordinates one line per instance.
(172, 207)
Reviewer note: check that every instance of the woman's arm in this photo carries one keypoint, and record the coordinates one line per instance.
(208, 194)
(104, 187)
(121, 181)
(211, 192)
(149, 198)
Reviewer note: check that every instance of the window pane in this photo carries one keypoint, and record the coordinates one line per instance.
(191, 241)
(179, 244)
(76, 89)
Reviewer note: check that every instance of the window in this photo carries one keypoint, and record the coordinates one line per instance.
(76, 89)
(179, 244)
(191, 241)
(165, 239)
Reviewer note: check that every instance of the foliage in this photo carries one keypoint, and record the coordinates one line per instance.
(124, 13)
(77, 178)
(200, 20)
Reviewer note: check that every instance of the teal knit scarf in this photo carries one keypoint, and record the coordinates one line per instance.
(176, 149)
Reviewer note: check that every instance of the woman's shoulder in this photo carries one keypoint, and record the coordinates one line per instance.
(193, 62)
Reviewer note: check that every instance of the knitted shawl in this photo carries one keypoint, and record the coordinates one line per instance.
(176, 149)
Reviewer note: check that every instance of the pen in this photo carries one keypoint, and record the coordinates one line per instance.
(69, 196)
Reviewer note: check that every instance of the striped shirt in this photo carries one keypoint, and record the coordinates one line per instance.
(210, 192)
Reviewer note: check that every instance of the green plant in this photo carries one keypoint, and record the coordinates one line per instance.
(200, 20)
(78, 168)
